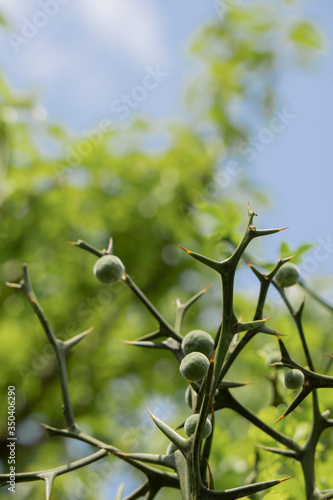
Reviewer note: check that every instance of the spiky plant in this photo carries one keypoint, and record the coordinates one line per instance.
(186, 463)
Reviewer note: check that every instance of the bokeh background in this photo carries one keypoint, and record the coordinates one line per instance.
(155, 123)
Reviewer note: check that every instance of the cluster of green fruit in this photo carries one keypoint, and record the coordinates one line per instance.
(198, 346)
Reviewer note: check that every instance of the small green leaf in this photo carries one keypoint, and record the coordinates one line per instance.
(285, 250)
(305, 34)
(304, 248)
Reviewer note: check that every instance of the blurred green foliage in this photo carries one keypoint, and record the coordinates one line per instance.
(149, 202)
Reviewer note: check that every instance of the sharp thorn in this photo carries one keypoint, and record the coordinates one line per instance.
(278, 420)
(278, 336)
(187, 251)
(286, 479)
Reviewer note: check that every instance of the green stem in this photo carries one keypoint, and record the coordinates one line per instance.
(228, 401)
(227, 271)
(229, 324)
(89, 248)
(57, 345)
(57, 471)
(316, 297)
(152, 309)
(169, 478)
(297, 316)
(307, 456)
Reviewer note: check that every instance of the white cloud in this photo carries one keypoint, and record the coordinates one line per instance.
(14, 9)
(134, 26)
(131, 27)
(86, 54)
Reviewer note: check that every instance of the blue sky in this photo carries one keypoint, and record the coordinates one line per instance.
(85, 54)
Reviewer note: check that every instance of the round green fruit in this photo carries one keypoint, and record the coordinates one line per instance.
(194, 366)
(171, 449)
(109, 269)
(293, 379)
(198, 341)
(287, 275)
(191, 423)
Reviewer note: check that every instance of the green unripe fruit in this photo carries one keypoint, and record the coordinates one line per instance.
(191, 423)
(287, 275)
(194, 366)
(171, 449)
(109, 269)
(198, 341)
(191, 397)
(293, 379)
